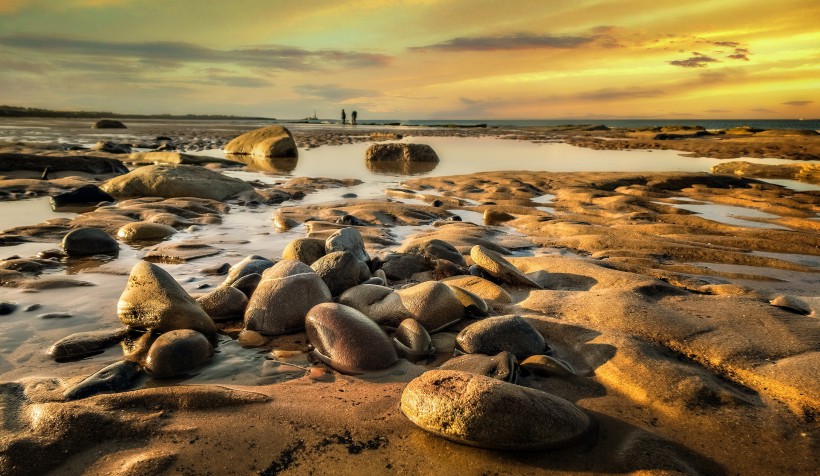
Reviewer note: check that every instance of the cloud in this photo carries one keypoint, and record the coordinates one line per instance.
(239, 81)
(730, 44)
(331, 92)
(469, 101)
(717, 110)
(517, 41)
(614, 94)
(178, 53)
(798, 103)
(698, 60)
(761, 109)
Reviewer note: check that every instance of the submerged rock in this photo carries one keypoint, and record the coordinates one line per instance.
(347, 340)
(497, 334)
(89, 241)
(83, 344)
(154, 300)
(177, 352)
(279, 305)
(488, 413)
(116, 377)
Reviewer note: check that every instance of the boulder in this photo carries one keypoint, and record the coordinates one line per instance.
(413, 341)
(487, 290)
(279, 305)
(435, 249)
(89, 241)
(401, 266)
(306, 250)
(347, 340)
(503, 333)
(271, 141)
(177, 352)
(224, 303)
(154, 300)
(488, 413)
(503, 366)
(253, 264)
(401, 152)
(170, 181)
(339, 270)
(285, 268)
(108, 124)
(347, 239)
(145, 231)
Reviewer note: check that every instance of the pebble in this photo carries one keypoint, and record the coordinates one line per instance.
(224, 303)
(347, 239)
(55, 315)
(306, 250)
(253, 264)
(7, 307)
(412, 340)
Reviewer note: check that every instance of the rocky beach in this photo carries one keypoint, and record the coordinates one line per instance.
(236, 297)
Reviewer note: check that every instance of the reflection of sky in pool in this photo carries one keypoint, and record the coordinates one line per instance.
(727, 214)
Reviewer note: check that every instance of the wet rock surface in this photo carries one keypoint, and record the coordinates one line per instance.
(502, 333)
(177, 352)
(279, 305)
(89, 241)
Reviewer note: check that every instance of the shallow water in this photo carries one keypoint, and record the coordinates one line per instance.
(28, 212)
(727, 214)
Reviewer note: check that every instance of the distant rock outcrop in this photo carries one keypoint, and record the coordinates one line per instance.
(108, 124)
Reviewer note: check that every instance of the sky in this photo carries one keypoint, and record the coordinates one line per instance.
(421, 59)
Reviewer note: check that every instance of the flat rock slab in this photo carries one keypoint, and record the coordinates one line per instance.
(182, 251)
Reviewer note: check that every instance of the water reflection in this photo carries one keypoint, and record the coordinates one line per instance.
(400, 167)
(278, 165)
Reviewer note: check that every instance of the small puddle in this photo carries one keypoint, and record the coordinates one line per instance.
(28, 212)
(727, 214)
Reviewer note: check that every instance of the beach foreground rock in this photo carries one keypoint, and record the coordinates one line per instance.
(488, 413)
(272, 141)
(171, 181)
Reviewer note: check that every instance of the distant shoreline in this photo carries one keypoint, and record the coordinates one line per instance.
(16, 111)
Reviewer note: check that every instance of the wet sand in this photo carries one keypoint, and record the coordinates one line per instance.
(681, 360)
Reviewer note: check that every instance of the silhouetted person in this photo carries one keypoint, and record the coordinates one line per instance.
(344, 116)
(353, 117)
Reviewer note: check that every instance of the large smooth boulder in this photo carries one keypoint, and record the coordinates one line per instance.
(488, 413)
(224, 303)
(145, 231)
(154, 300)
(497, 266)
(339, 270)
(171, 181)
(253, 264)
(177, 352)
(401, 152)
(350, 240)
(279, 305)
(347, 340)
(271, 141)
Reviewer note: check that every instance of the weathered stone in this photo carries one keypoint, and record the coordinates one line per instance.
(285, 268)
(497, 334)
(253, 264)
(111, 147)
(224, 303)
(493, 217)
(61, 163)
(548, 366)
(306, 250)
(401, 266)
(489, 413)
(83, 344)
(116, 377)
(177, 352)
(401, 152)
(473, 304)
(347, 340)
(216, 270)
(282, 223)
(271, 141)
(350, 240)
(435, 249)
(7, 308)
(412, 340)
(339, 270)
(89, 241)
(495, 264)
(248, 283)
(154, 300)
(481, 287)
(792, 303)
(145, 231)
(502, 366)
(169, 181)
(279, 305)
(180, 251)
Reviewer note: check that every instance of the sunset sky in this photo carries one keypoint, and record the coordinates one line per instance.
(424, 59)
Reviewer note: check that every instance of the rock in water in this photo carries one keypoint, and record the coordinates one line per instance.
(401, 152)
(177, 352)
(503, 366)
(145, 231)
(347, 340)
(497, 266)
(154, 300)
(83, 344)
(339, 270)
(82, 196)
(347, 239)
(279, 305)
(171, 181)
(114, 378)
(89, 241)
(481, 411)
(306, 250)
(271, 141)
(497, 334)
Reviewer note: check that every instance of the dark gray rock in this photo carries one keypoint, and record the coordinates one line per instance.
(503, 333)
(7, 307)
(116, 377)
(224, 303)
(401, 266)
(503, 366)
(108, 124)
(83, 344)
(412, 340)
(253, 264)
(89, 241)
(82, 196)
